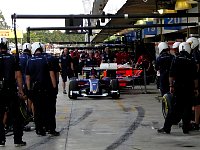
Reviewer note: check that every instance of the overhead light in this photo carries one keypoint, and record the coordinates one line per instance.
(161, 11)
(131, 29)
(143, 21)
(139, 22)
(166, 11)
(182, 5)
(148, 19)
(155, 12)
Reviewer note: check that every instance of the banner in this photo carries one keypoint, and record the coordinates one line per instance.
(9, 34)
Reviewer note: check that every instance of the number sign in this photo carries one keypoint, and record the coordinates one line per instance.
(150, 31)
(172, 21)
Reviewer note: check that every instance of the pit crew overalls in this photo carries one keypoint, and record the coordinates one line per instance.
(183, 70)
(38, 69)
(163, 64)
(51, 104)
(8, 96)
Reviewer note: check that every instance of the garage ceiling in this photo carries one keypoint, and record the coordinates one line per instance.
(132, 7)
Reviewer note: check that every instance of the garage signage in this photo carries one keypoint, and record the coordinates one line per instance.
(150, 31)
(131, 36)
(172, 21)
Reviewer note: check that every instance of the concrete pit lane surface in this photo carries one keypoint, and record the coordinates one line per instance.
(127, 123)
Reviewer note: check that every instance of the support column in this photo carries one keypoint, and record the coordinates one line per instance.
(28, 35)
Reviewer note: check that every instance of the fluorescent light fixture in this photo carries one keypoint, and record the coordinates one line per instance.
(148, 19)
(161, 11)
(166, 11)
(139, 22)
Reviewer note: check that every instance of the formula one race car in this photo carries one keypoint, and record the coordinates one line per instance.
(124, 74)
(95, 86)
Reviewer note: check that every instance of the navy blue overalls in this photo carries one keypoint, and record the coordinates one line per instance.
(9, 98)
(51, 105)
(38, 69)
(163, 64)
(23, 58)
(183, 70)
(66, 70)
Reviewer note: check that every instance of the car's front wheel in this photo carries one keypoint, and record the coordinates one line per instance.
(73, 86)
(114, 84)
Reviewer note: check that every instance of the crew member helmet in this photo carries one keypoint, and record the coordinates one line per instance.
(184, 46)
(4, 43)
(37, 46)
(162, 46)
(26, 46)
(176, 45)
(194, 42)
(13, 50)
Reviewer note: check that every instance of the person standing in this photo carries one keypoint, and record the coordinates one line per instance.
(183, 85)
(175, 47)
(51, 104)
(23, 58)
(41, 81)
(108, 56)
(97, 56)
(194, 44)
(10, 73)
(66, 65)
(91, 60)
(75, 60)
(82, 60)
(163, 64)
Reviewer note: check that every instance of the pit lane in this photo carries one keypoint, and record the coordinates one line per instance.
(107, 124)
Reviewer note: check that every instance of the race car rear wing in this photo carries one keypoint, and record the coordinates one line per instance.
(89, 68)
(108, 66)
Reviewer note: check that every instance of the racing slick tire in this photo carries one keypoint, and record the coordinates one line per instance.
(25, 114)
(167, 104)
(73, 86)
(114, 84)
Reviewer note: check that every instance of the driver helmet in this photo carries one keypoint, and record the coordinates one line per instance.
(93, 72)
